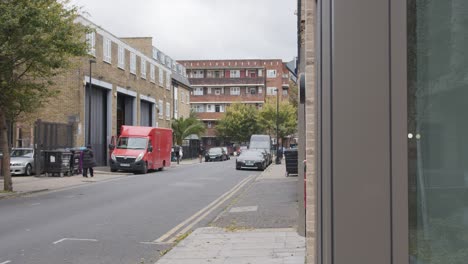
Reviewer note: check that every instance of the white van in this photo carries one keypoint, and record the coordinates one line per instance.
(262, 142)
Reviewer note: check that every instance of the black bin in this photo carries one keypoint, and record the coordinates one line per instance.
(57, 163)
(291, 161)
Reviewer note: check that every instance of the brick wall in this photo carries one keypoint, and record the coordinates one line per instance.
(308, 13)
(71, 101)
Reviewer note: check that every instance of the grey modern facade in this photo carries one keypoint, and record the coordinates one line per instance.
(389, 100)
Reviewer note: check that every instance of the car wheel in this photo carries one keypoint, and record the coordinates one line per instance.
(113, 170)
(28, 170)
(144, 170)
(238, 168)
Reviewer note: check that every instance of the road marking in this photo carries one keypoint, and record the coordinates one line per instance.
(73, 239)
(31, 205)
(186, 229)
(6, 262)
(213, 204)
(243, 209)
(153, 243)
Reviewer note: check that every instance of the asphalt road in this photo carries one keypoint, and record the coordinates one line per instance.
(112, 222)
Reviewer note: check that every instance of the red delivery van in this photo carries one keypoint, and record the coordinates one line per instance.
(139, 149)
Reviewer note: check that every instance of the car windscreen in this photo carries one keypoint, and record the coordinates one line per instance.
(25, 153)
(259, 145)
(251, 155)
(215, 151)
(132, 143)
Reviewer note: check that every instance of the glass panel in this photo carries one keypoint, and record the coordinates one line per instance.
(438, 131)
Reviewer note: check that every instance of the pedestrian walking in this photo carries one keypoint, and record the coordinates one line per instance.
(177, 153)
(88, 161)
(201, 152)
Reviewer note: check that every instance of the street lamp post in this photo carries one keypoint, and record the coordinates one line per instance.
(91, 61)
(278, 160)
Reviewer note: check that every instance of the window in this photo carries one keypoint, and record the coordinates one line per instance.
(260, 90)
(143, 68)
(271, 73)
(217, 108)
(168, 80)
(234, 73)
(161, 109)
(168, 110)
(436, 144)
(253, 91)
(209, 108)
(161, 74)
(182, 95)
(152, 74)
(209, 124)
(271, 90)
(198, 91)
(188, 98)
(132, 63)
(260, 73)
(198, 108)
(91, 41)
(235, 91)
(107, 50)
(176, 107)
(121, 58)
(285, 91)
(217, 91)
(197, 74)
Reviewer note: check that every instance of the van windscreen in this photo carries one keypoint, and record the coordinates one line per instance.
(132, 143)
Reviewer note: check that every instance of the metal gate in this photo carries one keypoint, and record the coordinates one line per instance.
(50, 136)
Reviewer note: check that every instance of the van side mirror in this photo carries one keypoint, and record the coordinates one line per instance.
(111, 146)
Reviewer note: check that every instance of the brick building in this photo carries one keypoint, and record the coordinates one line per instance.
(131, 84)
(218, 83)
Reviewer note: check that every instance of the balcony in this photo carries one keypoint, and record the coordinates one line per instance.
(285, 82)
(210, 116)
(211, 98)
(227, 81)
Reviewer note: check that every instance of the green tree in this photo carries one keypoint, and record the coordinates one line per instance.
(239, 123)
(287, 118)
(293, 94)
(38, 40)
(184, 127)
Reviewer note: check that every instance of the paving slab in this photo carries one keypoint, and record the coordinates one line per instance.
(218, 245)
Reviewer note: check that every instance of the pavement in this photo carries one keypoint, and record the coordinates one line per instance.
(259, 227)
(23, 185)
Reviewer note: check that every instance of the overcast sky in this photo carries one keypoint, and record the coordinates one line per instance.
(203, 29)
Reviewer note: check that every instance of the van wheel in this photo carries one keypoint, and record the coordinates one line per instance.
(144, 170)
(113, 170)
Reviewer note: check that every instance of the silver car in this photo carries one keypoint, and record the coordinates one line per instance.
(22, 161)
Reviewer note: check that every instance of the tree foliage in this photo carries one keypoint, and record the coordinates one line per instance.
(239, 122)
(38, 39)
(287, 118)
(184, 127)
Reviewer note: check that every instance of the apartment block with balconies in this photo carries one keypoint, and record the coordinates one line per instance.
(219, 83)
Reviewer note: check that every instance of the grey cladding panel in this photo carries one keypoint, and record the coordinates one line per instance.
(360, 132)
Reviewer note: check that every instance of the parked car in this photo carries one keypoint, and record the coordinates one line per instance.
(227, 153)
(216, 153)
(22, 161)
(251, 159)
(262, 142)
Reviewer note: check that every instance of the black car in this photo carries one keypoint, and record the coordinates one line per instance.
(251, 159)
(216, 154)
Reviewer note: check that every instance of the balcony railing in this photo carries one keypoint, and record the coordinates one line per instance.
(227, 81)
(227, 98)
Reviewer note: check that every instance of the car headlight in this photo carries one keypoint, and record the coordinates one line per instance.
(113, 157)
(140, 157)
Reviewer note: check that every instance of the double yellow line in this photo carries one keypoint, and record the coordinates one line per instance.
(172, 234)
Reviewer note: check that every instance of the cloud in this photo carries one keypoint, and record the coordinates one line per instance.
(203, 29)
